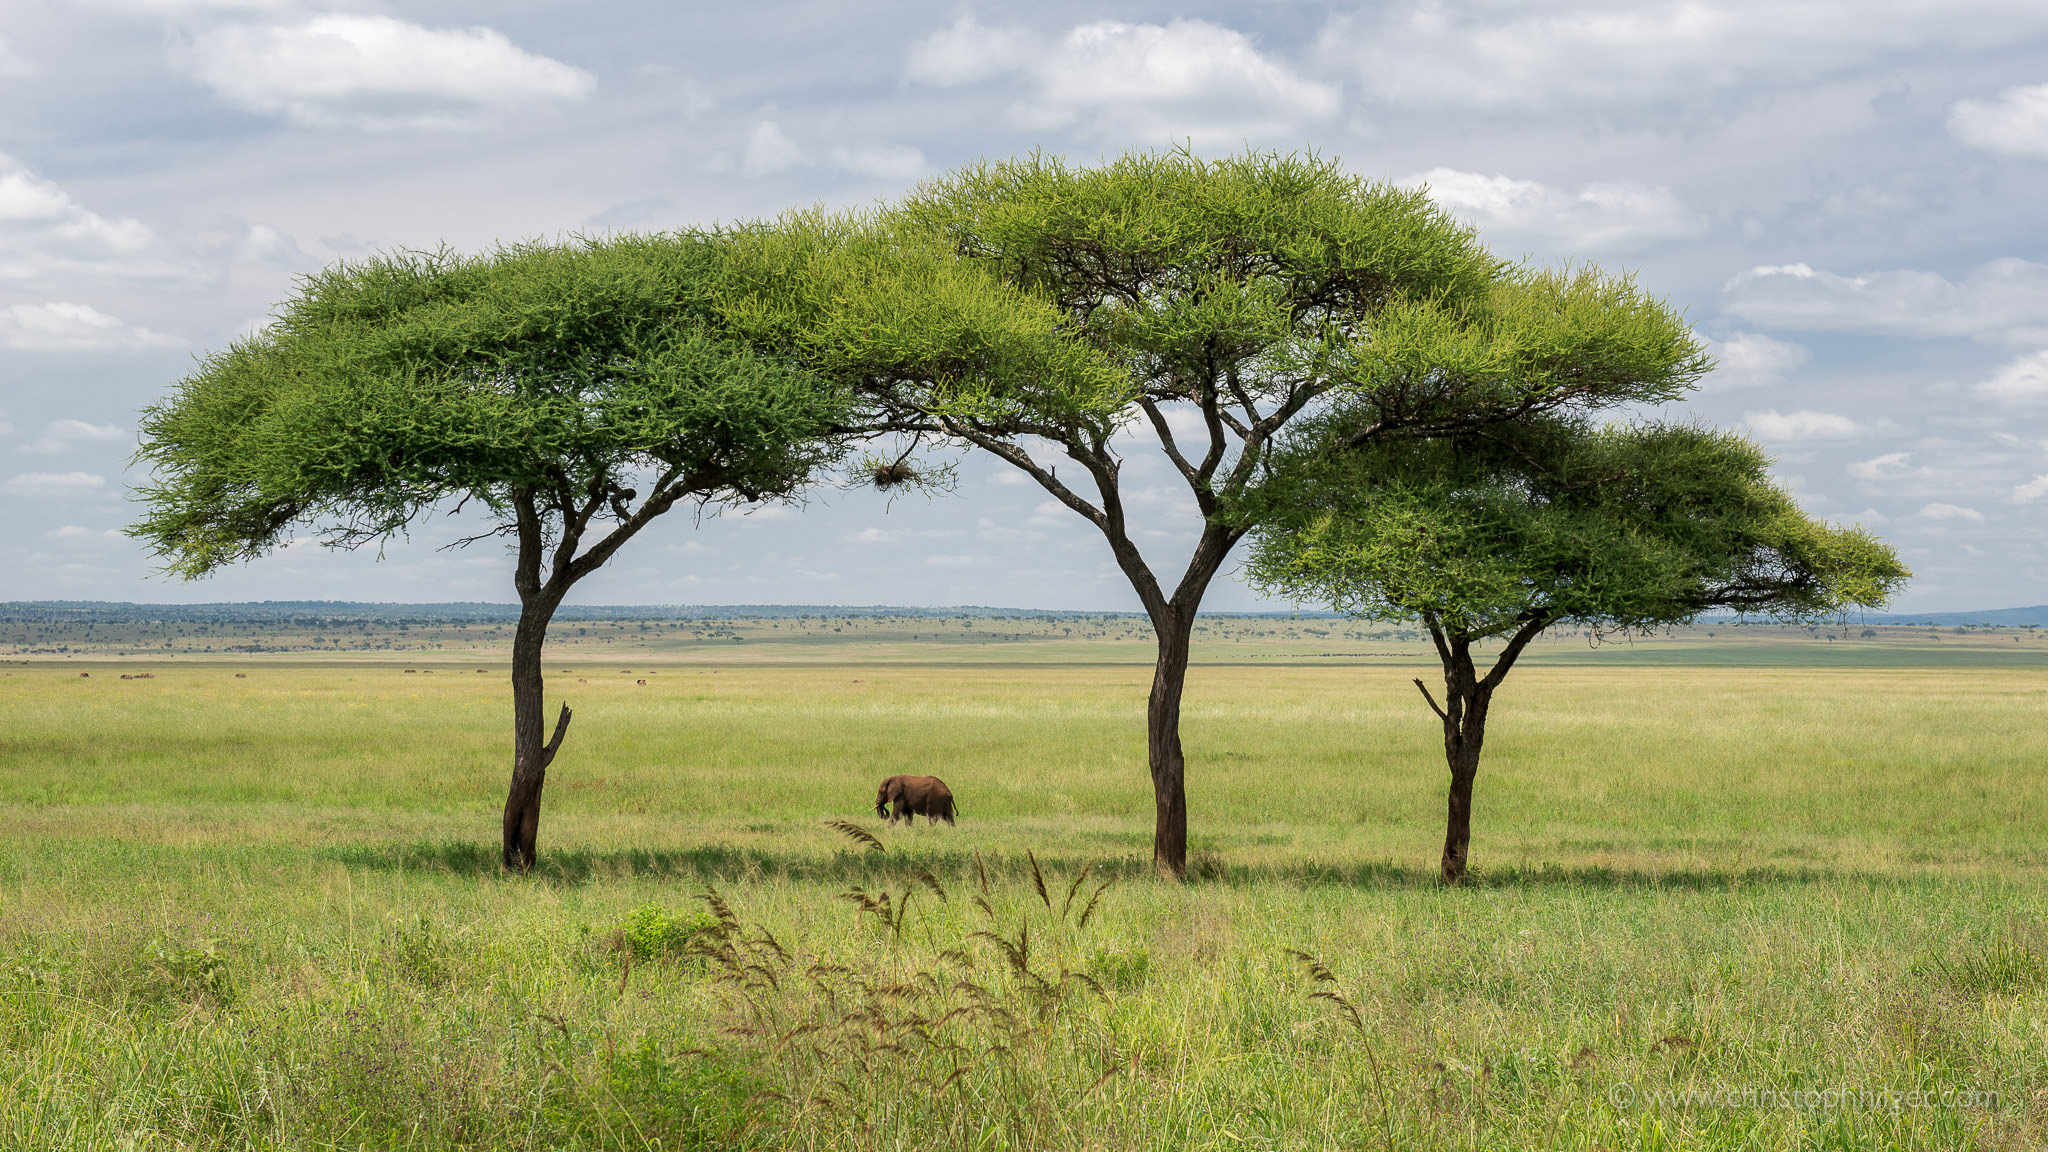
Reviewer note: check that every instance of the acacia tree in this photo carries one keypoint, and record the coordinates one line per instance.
(1503, 535)
(573, 392)
(1238, 294)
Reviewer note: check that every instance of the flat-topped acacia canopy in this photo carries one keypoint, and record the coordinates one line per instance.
(573, 392)
(1504, 534)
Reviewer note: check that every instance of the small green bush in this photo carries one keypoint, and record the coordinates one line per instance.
(1122, 971)
(175, 970)
(652, 932)
(417, 951)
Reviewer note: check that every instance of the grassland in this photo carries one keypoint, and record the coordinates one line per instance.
(251, 902)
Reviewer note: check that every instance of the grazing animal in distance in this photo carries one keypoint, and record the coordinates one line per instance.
(914, 796)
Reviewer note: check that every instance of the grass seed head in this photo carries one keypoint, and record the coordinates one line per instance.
(857, 834)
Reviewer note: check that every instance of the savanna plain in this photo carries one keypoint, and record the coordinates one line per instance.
(1766, 889)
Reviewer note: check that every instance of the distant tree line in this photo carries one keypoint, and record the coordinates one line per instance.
(1409, 427)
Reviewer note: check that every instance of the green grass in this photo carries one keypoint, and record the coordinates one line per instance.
(263, 912)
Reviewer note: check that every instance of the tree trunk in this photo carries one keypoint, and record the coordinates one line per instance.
(1466, 698)
(1464, 765)
(530, 757)
(537, 603)
(1172, 617)
(1162, 745)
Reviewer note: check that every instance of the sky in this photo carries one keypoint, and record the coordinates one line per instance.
(1845, 200)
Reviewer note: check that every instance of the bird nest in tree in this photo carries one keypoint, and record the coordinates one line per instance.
(888, 476)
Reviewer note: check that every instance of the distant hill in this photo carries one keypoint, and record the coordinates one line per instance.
(2035, 617)
(311, 611)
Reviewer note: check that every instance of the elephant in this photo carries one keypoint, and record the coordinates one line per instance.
(915, 796)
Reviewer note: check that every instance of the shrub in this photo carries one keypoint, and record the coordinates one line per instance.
(179, 971)
(652, 932)
(417, 951)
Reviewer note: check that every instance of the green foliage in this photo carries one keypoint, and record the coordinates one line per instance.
(1124, 970)
(1160, 253)
(395, 385)
(652, 932)
(418, 950)
(1624, 528)
(1534, 341)
(1252, 284)
(886, 311)
(1202, 279)
(178, 970)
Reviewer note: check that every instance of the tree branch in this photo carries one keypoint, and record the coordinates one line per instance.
(1436, 634)
(1520, 640)
(672, 486)
(1212, 415)
(1166, 441)
(1244, 400)
(554, 744)
(1020, 459)
(526, 573)
(466, 541)
(1424, 689)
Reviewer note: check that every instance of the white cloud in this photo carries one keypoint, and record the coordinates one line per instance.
(59, 326)
(183, 7)
(901, 536)
(54, 485)
(44, 232)
(887, 163)
(1049, 514)
(1185, 78)
(262, 244)
(1887, 466)
(969, 53)
(1607, 217)
(770, 150)
(2005, 299)
(2016, 122)
(376, 72)
(2032, 490)
(943, 561)
(74, 532)
(2023, 379)
(1638, 57)
(1949, 512)
(1804, 424)
(1750, 360)
(62, 435)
